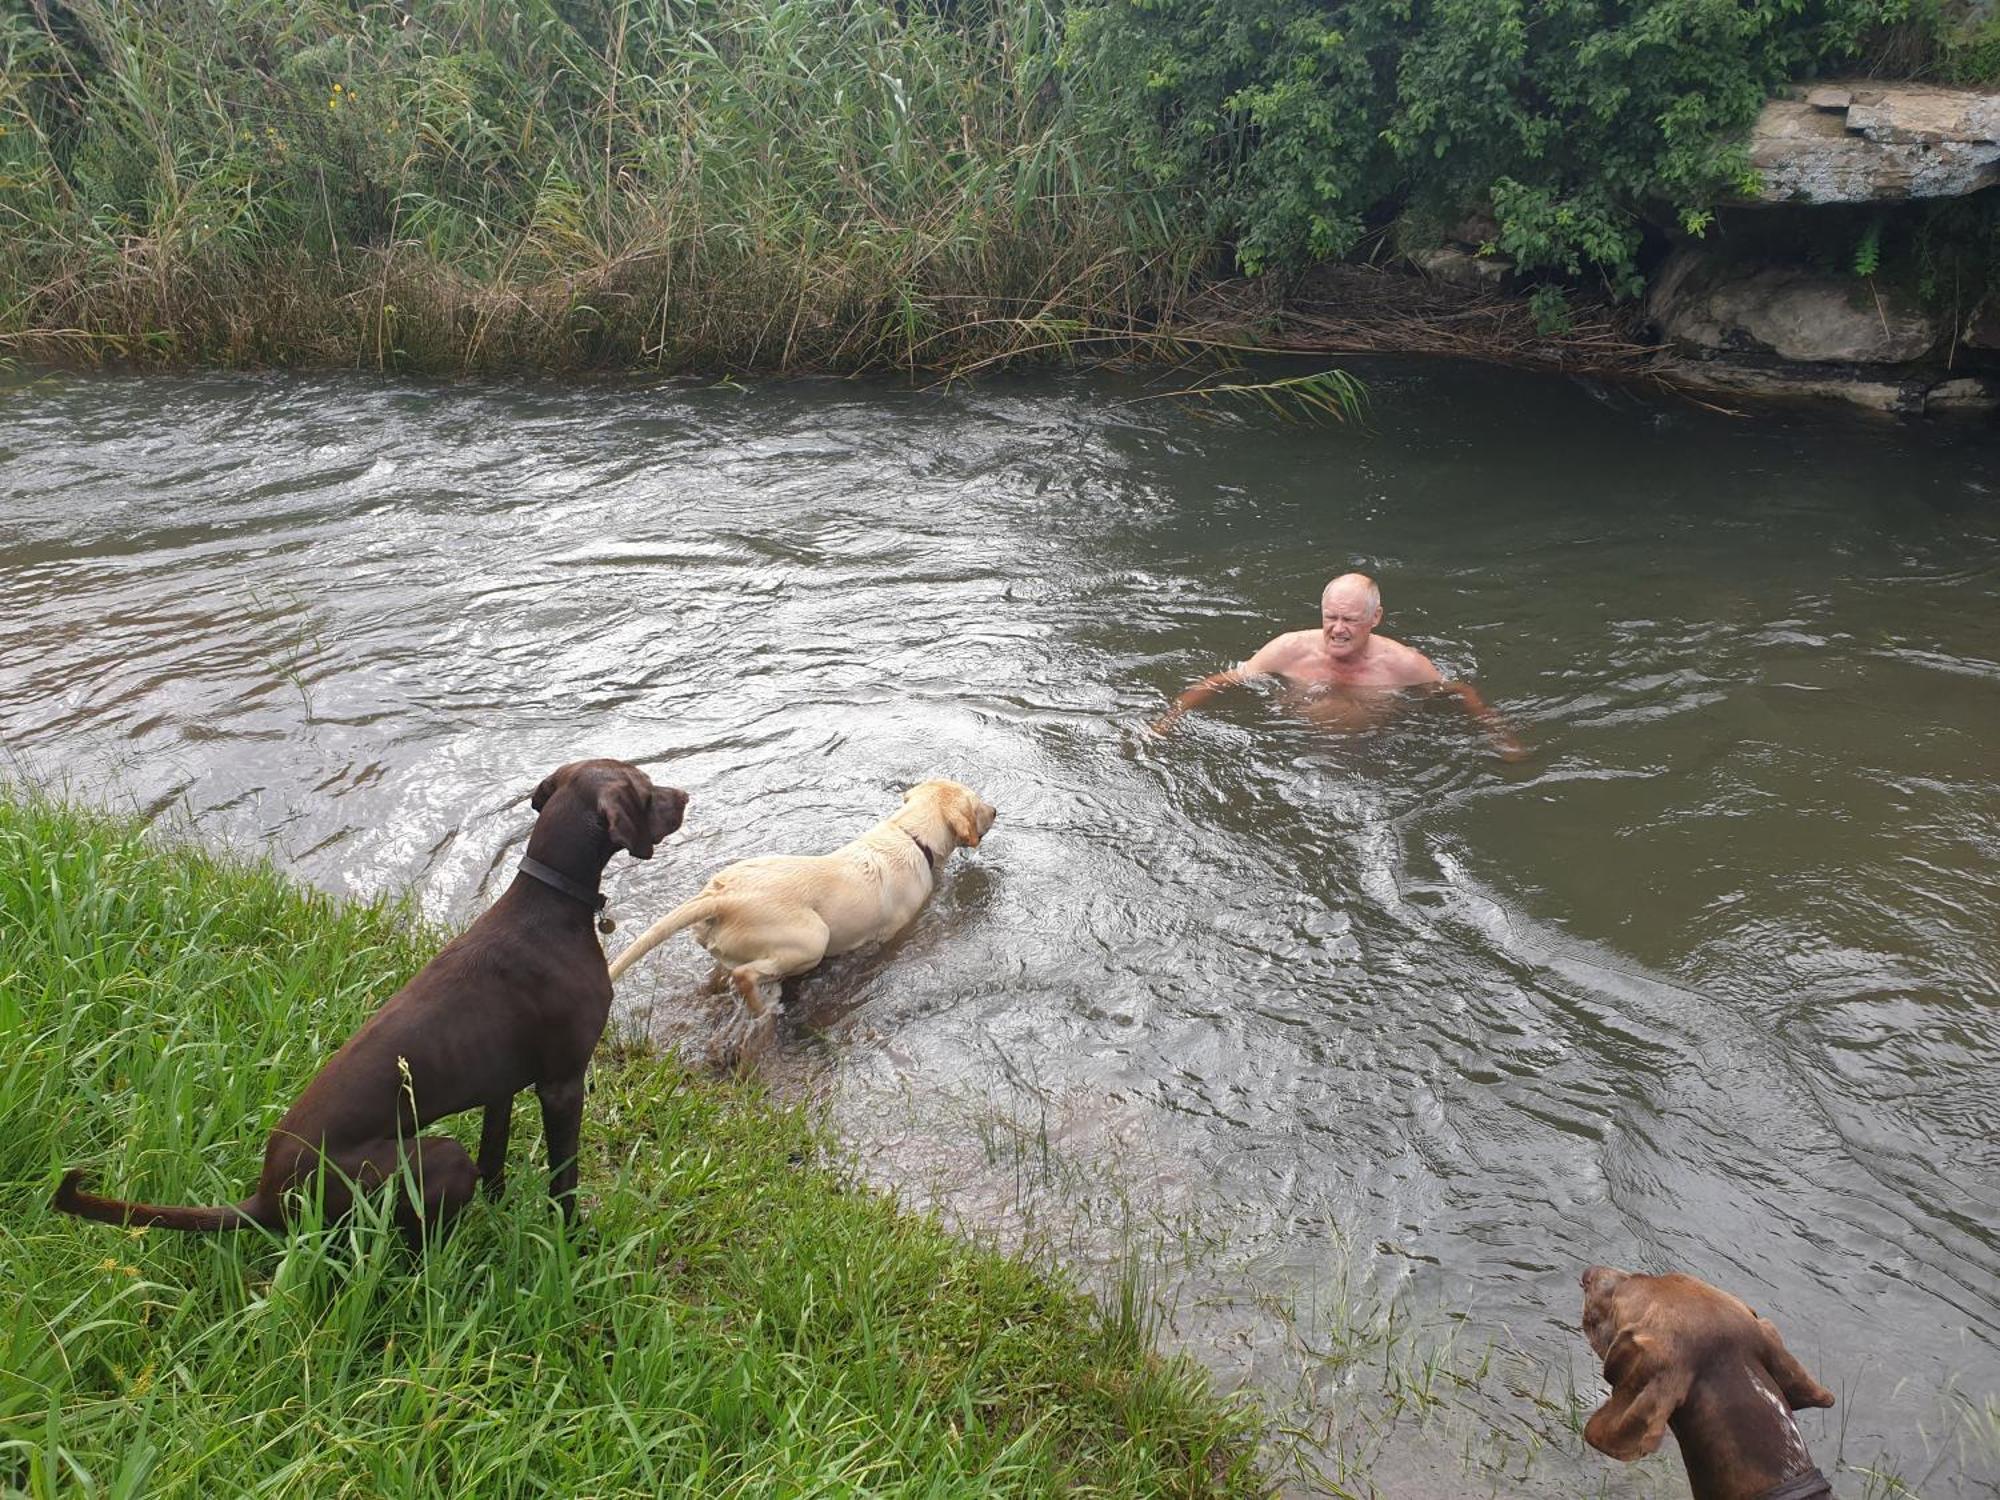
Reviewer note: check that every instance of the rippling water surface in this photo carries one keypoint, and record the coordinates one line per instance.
(1709, 983)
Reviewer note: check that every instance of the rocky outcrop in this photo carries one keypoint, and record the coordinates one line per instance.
(1774, 383)
(1771, 320)
(1752, 329)
(1467, 257)
(1968, 395)
(1713, 306)
(1982, 329)
(1875, 142)
(1892, 391)
(1461, 266)
(1783, 297)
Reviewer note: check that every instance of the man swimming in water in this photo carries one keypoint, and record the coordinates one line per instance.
(1348, 663)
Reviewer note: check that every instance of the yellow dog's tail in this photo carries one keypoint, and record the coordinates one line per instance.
(685, 915)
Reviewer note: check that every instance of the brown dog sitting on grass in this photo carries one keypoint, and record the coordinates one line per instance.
(518, 999)
(1679, 1353)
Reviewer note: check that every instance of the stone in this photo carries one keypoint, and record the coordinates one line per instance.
(1876, 142)
(1982, 329)
(1475, 229)
(1892, 397)
(1707, 303)
(1966, 396)
(1461, 267)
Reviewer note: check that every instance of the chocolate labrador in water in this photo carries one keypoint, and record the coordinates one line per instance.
(1679, 1353)
(517, 1000)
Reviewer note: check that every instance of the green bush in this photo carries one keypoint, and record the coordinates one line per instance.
(1296, 124)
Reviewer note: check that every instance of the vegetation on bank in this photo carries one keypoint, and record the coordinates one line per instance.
(1295, 128)
(465, 184)
(734, 1317)
(849, 184)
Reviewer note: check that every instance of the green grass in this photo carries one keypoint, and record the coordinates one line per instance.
(734, 1317)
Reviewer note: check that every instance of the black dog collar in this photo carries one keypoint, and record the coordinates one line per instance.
(929, 858)
(575, 890)
(1811, 1485)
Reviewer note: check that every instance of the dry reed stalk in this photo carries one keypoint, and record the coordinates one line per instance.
(1369, 310)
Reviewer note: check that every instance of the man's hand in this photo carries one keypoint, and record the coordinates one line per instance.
(1506, 744)
(1195, 696)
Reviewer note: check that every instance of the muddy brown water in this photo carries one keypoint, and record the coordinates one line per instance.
(1299, 1023)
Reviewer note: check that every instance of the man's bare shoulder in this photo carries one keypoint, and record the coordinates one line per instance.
(1282, 652)
(1404, 666)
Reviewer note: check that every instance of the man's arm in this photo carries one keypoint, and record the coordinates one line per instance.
(1269, 659)
(1196, 694)
(1504, 740)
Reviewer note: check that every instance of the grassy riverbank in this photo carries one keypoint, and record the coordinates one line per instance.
(792, 185)
(742, 184)
(736, 1317)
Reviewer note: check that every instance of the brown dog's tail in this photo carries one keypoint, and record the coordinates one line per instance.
(71, 1199)
(685, 915)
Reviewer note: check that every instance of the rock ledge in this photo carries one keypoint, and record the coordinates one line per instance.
(1861, 142)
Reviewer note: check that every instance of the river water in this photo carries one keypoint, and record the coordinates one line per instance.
(1356, 1046)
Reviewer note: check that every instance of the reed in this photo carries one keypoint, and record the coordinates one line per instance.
(736, 1316)
(470, 185)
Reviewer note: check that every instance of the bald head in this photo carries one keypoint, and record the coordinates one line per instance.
(1349, 610)
(1354, 589)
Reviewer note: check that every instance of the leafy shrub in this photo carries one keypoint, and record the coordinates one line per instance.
(1294, 124)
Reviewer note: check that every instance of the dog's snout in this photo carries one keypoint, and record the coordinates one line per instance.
(666, 807)
(672, 804)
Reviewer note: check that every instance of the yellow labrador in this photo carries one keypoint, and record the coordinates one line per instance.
(766, 919)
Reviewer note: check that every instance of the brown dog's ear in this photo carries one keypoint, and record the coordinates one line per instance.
(625, 818)
(1647, 1388)
(546, 790)
(963, 822)
(1800, 1389)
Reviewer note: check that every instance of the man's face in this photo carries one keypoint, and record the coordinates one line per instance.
(1346, 619)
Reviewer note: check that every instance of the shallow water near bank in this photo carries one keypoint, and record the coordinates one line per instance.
(1318, 1021)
